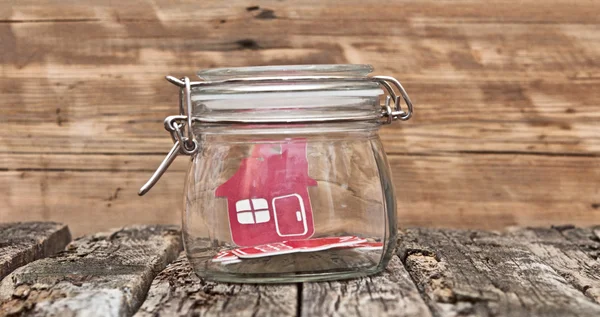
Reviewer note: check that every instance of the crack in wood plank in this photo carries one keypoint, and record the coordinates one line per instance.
(24, 242)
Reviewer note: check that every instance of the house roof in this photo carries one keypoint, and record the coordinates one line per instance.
(270, 167)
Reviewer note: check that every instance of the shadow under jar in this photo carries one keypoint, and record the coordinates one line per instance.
(288, 180)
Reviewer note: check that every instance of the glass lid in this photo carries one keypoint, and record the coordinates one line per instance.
(287, 93)
(341, 70)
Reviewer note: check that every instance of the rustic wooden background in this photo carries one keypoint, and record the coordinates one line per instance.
(506, 130)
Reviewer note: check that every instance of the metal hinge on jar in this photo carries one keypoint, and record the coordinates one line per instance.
(180, 126)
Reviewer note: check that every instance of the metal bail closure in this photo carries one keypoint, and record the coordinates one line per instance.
(176, 126)
(180, 126)
(395, 112)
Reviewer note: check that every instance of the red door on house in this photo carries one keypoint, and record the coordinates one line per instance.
(290, 215)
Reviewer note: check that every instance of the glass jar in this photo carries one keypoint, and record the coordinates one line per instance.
(288, 180)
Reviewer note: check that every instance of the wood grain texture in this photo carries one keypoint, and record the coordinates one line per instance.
(574, 264)
(177, 291)
(391, 293)
(475, 273)
(90, 200)
(24, 242)
(588, 240)
(501, 80)
(105, 274)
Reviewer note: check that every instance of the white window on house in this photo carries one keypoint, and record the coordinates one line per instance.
(254, 210)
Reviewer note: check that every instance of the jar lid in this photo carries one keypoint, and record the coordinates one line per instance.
(341, 70)
(295, 93)
(288, 94)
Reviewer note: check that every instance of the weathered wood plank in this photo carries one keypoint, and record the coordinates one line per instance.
(489, 115)
(24, 242)
(110, 198)
(546, 136)
(391, 293)
(177, 291)
(495, 191)
(579, 268)
(106, 274)
(473, 273)
(486, 190)
(172, 11)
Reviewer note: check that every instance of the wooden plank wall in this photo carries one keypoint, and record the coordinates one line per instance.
(506, 130)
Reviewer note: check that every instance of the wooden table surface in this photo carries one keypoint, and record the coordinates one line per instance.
(140, 271)
(506, 129)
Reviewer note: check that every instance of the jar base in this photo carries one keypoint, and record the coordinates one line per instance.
(286, 278)
(322, 265)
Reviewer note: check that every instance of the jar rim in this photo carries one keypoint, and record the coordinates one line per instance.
(338, 70)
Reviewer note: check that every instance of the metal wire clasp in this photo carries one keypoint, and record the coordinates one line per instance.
(396, 112)
(180, 128)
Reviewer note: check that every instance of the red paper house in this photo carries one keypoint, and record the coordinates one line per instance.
(267, 198)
